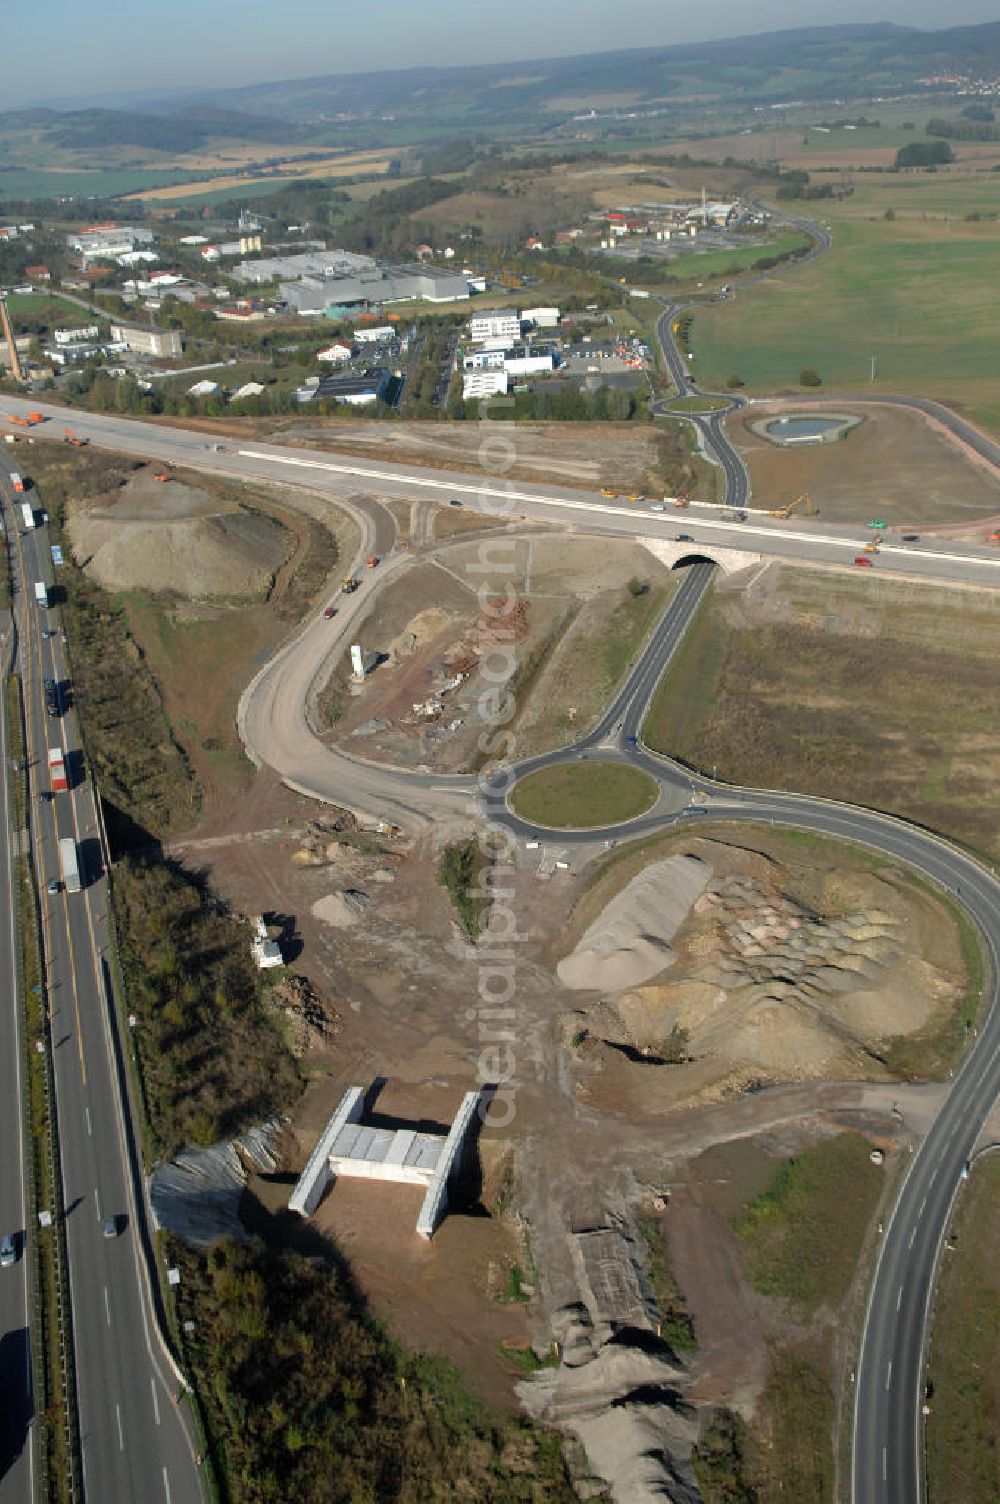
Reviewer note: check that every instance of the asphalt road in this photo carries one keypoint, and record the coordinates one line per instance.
(135, 1440)
(345, 478)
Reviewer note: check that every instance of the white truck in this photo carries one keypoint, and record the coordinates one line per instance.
(67, 862)
(27, 514)
(41, 594)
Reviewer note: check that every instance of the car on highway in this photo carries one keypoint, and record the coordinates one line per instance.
(683, 538)
(330, 611)
(109, 1227)
(53, 886)
(48, 632)
(656, 506)
(8, 1251)
(454, 502)
(911, 537)
(862, 562)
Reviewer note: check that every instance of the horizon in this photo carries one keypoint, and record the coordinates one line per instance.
(369, 55)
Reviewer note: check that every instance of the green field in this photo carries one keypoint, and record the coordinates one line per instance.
(577, 796)
(963, 1458)
(915, 292)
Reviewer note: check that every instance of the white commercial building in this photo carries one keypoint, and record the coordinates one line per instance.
(488, 359)
(373, 336)
(108, 240)
(494, 323)
(542, 318)
(485, 383)
(528, 364)
(335, 354)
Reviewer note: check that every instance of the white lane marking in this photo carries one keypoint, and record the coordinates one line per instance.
(166, 1486)
(899, 1297)
(156, 1403)
(885, 1465)
(89, 1129)
(97, 1204)
(121, 1433)
(107, 1305)
(745, 529)
(888, 1374)
(933, 1178)
(913, 1234)
(922, 1205)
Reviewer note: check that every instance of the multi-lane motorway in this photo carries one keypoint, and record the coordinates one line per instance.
(135, 1438)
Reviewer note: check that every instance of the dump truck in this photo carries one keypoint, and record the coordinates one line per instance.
(17, 481)
(349, 585)
(57, 771)
(607, 491)
(68, 865)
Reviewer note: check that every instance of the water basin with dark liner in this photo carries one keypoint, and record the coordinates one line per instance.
(802, 429)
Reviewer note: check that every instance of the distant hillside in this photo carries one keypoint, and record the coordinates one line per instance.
(817, 63)
(812, 63)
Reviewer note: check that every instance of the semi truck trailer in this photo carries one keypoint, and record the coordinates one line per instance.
(41, 593)
(27, 514)
(67, 862)
(57, 771)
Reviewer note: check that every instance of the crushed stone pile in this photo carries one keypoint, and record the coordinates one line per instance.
(629, 943)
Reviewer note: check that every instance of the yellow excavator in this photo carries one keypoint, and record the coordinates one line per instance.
(804, 501)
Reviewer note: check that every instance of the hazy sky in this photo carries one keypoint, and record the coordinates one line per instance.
(69, 48)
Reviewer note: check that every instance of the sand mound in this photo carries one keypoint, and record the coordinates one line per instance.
(765, 987)
(421, 628)
(628, 944)
(178, 539)
(342, 910)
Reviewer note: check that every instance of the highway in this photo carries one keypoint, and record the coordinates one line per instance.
(18, 1475)
(135, 1440)
(342, 477)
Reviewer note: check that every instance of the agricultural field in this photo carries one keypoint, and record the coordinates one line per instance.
(915, 293)
(878, 692)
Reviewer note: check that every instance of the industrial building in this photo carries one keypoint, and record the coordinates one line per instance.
(373, 386)
(322, 264)
(494, 324)
(374, 286)
(108, 240)
(162, 343)
(542, 318)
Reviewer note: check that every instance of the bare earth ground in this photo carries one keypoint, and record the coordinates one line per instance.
(588, 455)
(894, 464)
(574, 608)
(404, 987)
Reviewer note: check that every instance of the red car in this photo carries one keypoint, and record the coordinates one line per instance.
(332, 610)
(862, 562)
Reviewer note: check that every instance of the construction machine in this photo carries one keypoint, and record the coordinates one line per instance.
(31, 421)
(682, 500)
(607, 491)
(994, 536)
(350, 585)
(804, 501)
(70, 437)
(163, 474)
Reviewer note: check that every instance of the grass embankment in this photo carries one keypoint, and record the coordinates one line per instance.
(211, 1052)
(461, 870)
(313, 1401)
(963, 1456)
(878, 693)
(802, 1239)
(904, 290)
(580, 796)
(53, 1370)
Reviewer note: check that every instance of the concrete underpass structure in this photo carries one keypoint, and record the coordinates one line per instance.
(404, 1154)
(674, 553)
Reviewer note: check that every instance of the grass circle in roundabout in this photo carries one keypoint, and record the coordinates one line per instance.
(583, 795)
